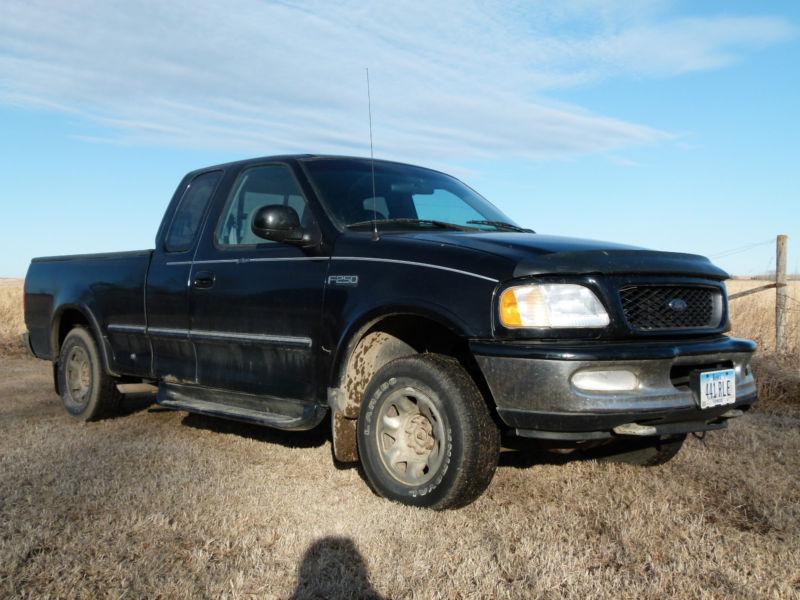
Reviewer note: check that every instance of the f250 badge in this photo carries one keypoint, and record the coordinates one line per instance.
(347, 280)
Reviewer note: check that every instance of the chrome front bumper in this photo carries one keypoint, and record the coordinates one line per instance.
(535, 394)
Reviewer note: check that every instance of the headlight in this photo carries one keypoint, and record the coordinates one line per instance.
(551, 305)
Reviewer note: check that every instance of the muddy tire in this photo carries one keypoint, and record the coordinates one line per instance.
(425, 435)
(87, 391)
(643, 453)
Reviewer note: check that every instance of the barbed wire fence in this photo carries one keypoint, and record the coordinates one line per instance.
(784, 303)
(741, 249)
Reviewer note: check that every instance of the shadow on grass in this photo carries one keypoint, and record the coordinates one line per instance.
(529, 457)
(313, 438)
(332, 567)
(134, 403)
(516, 454)
(521, 453)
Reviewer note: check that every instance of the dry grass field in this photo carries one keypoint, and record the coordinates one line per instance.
(156, 503)
(12, 323)
(754, 316)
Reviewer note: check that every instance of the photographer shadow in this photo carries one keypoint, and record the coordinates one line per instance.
(332, 567)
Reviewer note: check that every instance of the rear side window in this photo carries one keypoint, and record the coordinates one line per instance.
(190, 212)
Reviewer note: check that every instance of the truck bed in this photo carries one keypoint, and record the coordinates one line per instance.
(95, 286)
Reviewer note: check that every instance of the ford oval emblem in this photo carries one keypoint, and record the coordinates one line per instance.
(678, 304)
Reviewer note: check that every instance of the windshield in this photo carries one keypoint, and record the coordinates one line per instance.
(404, 197)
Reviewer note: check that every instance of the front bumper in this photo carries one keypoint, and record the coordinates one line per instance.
(535, 396)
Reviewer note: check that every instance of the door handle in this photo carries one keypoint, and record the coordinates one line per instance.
(203, 280)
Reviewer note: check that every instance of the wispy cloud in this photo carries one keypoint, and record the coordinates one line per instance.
(451, 80)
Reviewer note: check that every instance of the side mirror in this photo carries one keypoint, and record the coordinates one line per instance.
(279, 223)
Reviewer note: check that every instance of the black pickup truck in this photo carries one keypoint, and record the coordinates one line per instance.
(397, 300)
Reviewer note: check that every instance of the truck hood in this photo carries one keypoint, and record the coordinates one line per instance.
(536, 254)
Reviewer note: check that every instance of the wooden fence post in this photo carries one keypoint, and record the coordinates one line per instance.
(780, 293)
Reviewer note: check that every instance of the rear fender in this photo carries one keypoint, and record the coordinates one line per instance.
(94, 327)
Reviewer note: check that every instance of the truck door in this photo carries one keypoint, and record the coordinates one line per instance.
(167, 289)
(256, 305)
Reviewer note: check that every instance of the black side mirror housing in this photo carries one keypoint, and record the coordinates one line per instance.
(279, 223)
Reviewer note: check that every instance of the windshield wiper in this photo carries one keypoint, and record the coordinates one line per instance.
(439, 224)
(502, 225)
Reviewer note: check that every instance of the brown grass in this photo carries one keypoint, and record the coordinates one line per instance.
(12, 321)
(754, 316)
(162, 504)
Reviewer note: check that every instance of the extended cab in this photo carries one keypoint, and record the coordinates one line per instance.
(401, 305)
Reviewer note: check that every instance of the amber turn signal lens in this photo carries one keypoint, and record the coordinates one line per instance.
(509, 311)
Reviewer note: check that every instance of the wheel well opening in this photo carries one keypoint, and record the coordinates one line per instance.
(394, 337)
(421, 334)
(383, 341)
(68, 320)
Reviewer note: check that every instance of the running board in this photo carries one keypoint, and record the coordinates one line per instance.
(280, 413)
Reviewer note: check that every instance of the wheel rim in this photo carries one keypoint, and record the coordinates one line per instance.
(410, 436)
(78, 375)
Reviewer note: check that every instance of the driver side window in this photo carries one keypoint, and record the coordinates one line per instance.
(257, 187)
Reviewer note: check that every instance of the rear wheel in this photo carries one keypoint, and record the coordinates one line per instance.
(425, 435)
(87, 391)
(648, 452)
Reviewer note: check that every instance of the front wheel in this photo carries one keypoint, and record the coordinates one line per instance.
(425, 435)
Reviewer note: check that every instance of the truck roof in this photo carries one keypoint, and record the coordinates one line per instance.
(302, 157)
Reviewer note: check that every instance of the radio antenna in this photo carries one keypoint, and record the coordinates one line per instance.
(375, 236)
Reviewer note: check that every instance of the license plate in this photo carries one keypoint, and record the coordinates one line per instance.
(717, 388)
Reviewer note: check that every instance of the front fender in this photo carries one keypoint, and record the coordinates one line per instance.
(361, 322)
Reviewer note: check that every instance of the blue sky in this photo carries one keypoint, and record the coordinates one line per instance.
(671, 125)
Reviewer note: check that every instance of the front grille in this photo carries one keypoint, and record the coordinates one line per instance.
(660, 307)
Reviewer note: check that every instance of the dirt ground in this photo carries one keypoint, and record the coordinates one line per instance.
(160, 504)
